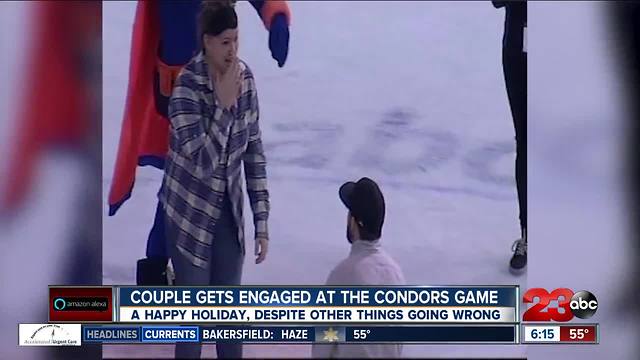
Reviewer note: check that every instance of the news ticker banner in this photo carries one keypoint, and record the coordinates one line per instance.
(468, 334)
(77, 334)
(286, 305)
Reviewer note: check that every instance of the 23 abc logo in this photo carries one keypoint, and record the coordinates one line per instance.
(582, 304)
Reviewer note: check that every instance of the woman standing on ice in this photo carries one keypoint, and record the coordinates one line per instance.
(214, 130)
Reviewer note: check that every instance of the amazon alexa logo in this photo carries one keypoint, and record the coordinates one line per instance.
(59, 304)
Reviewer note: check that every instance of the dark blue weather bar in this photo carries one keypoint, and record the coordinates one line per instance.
(433, 334)
(258, 334)
(460, 334)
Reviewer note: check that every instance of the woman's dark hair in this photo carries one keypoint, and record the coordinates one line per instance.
(216, 16)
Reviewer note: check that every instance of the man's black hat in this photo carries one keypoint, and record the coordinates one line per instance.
(366, 204)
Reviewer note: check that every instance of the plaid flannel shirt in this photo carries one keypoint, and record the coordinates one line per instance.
(207, 147)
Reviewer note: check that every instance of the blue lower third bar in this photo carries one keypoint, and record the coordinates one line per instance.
(169, 334)
(433, 334)
(103, 334)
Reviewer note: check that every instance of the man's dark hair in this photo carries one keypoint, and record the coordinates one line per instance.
(364, 233)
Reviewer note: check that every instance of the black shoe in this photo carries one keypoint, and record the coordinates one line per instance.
(519, 259)
(152, 272)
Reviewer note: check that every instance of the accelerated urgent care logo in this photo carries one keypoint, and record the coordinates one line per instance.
(582, 304)
(50, 334)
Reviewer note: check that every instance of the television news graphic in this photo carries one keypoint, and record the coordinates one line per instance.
(291, 314)
(111, 334)
(581, 304)
(433, 334)
(303, 305)
(81, 304)
(467, 334)
(49, 334)
(560, 334)
(158, 334)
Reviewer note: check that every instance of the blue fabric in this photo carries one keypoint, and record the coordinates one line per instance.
(178, 30)
(279, 39)
(278, 35)
(157, 242)
(151, 160)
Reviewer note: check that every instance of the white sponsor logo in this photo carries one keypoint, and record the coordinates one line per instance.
(50, 334)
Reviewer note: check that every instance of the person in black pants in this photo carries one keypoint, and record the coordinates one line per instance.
(514, 65)
(624, 22)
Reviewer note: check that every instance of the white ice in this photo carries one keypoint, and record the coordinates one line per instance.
(427, 74)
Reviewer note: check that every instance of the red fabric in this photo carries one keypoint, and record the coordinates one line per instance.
(53, 106)
(144, 132)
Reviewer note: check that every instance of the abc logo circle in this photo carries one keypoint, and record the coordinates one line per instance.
(583, 304)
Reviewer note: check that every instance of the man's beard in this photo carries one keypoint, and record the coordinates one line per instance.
(349, 237)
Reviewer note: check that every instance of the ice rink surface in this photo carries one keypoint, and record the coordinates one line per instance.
(410, 94)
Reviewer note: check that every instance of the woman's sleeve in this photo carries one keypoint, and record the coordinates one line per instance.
(255, 165)
(202, 146)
